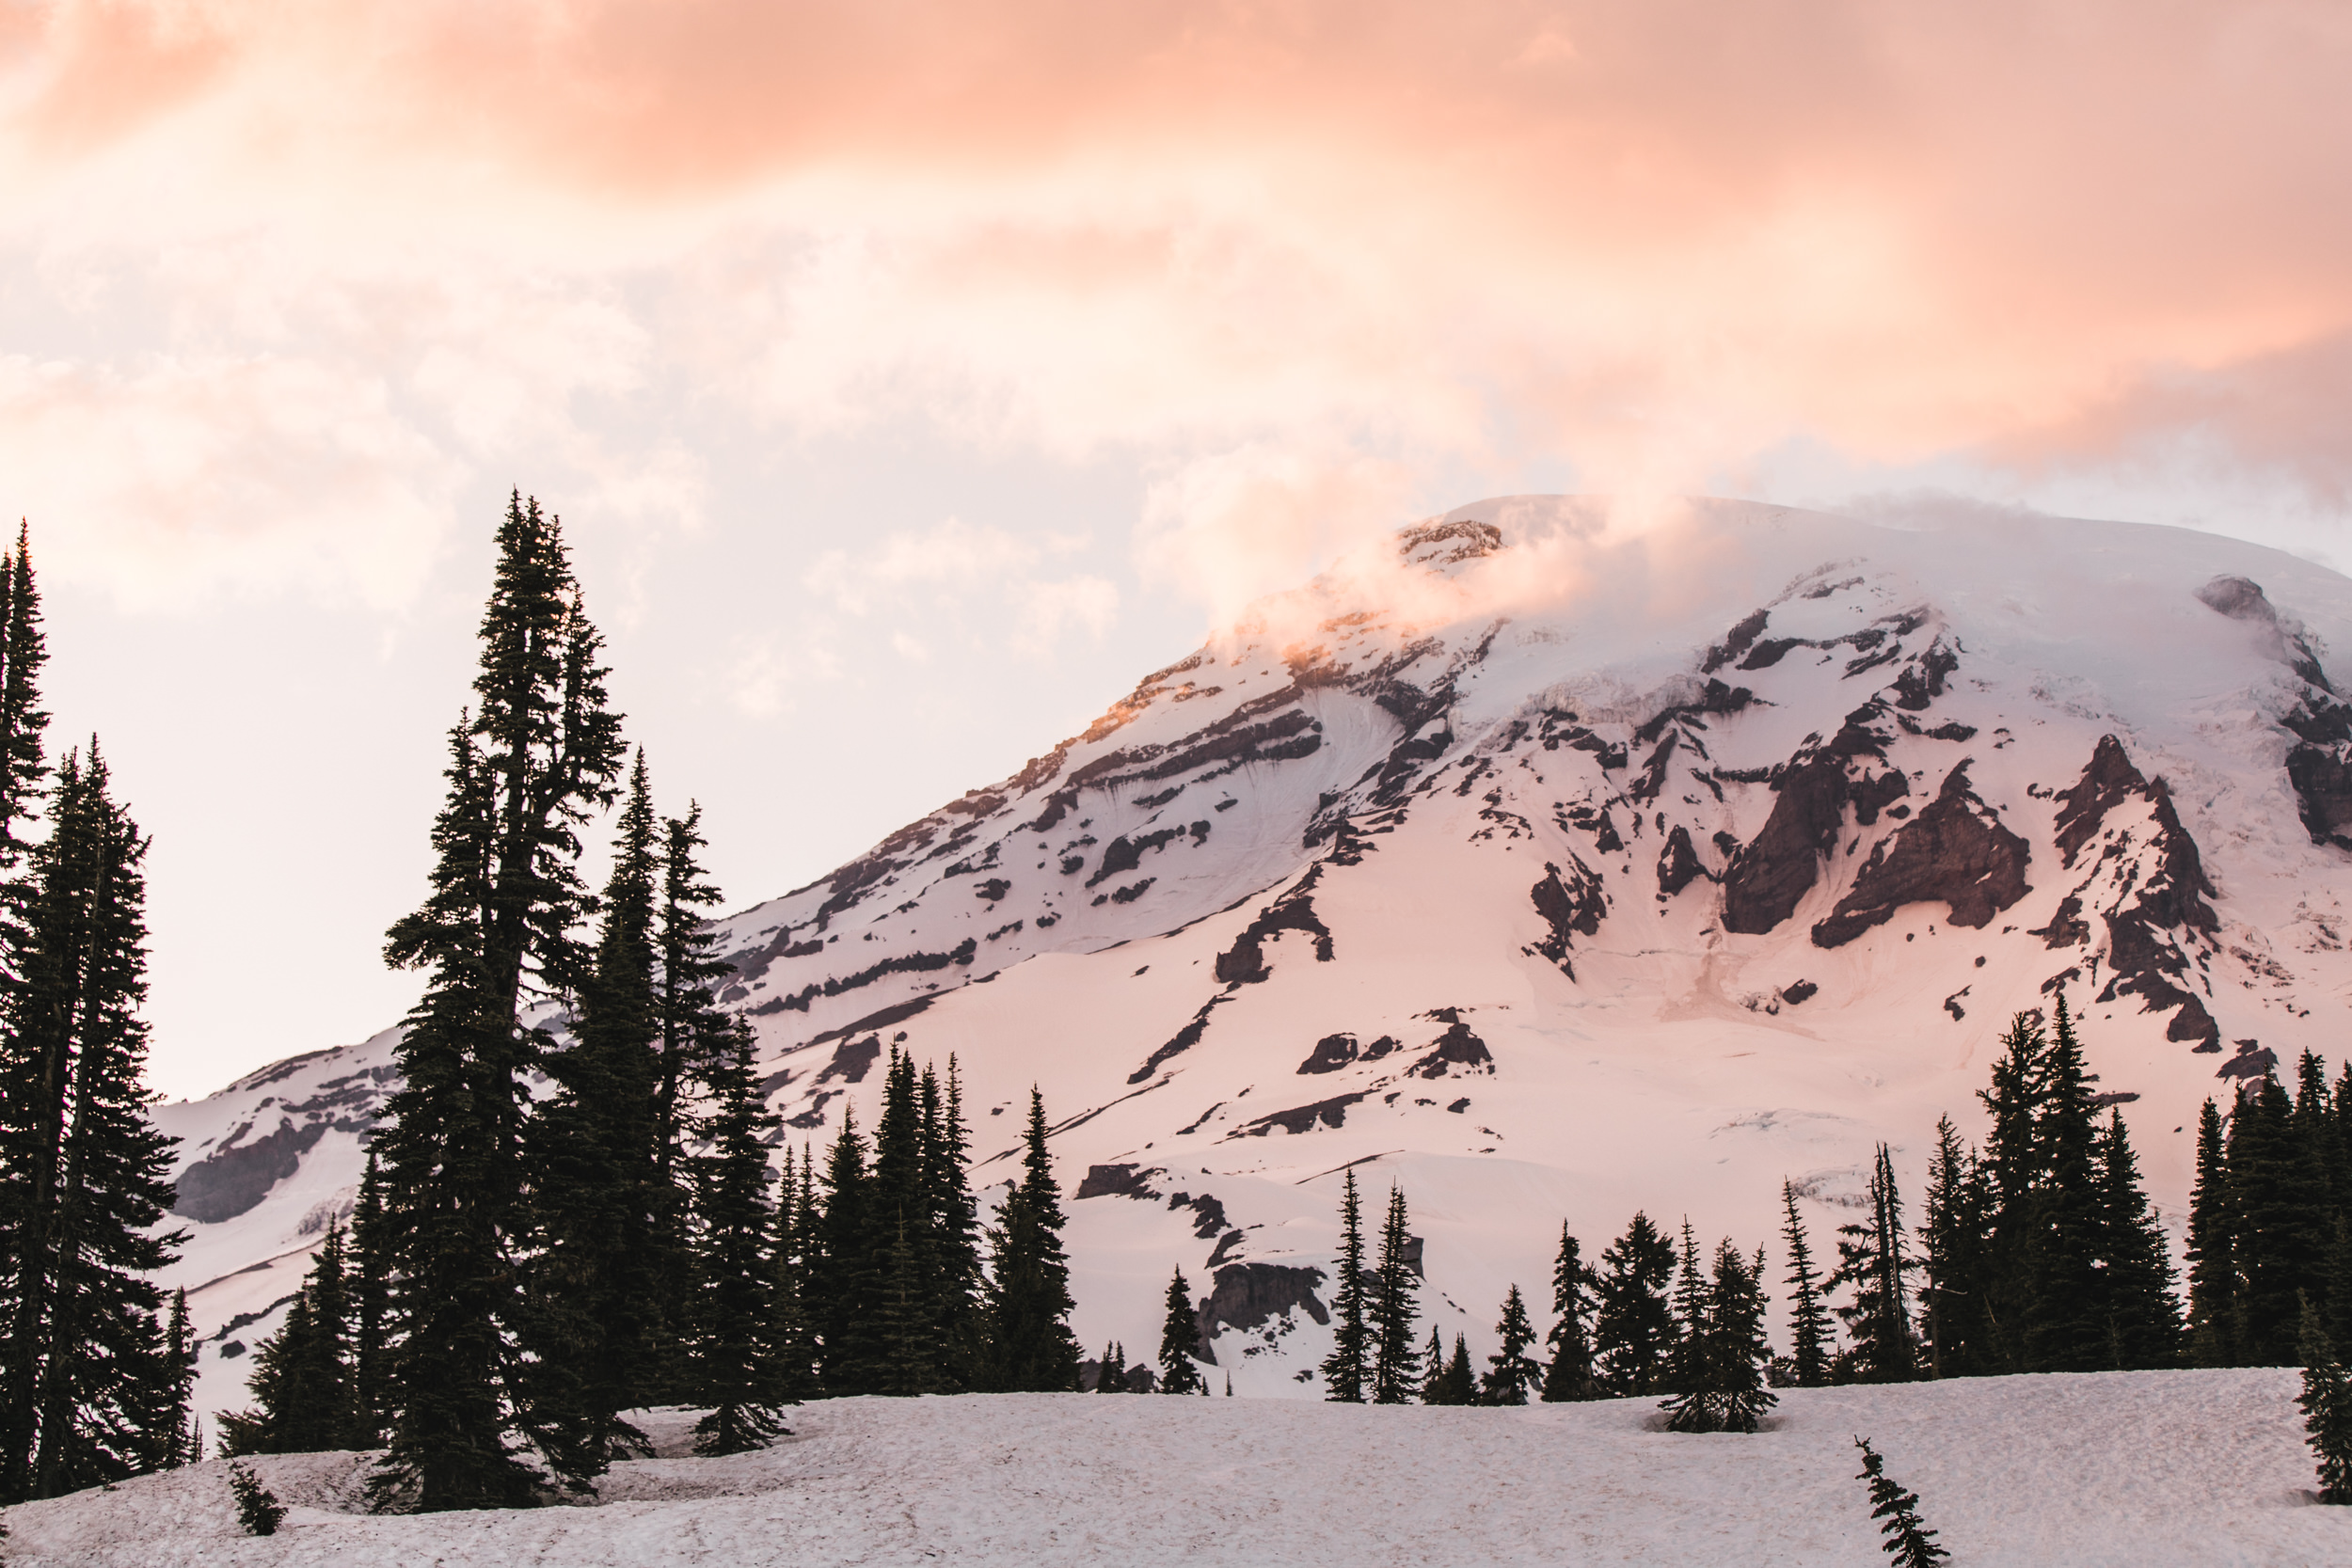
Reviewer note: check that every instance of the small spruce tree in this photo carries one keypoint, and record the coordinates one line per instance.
(1909, 1541)
(258, 1509)
(1569, 1375)
(1029, 1347)
(1434, 1388)
(1346, 1369)
(1633, 1329)
(1811, 1339)
(1394, 1308)
(1511, 1373)
(2326, 1406)
(1179, 1336)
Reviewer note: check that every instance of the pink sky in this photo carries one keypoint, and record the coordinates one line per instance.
(1033, 336)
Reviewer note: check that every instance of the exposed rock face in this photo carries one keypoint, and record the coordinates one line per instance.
(1572, 904)
(1304, 1119)
(1956, 852)
(1457, 1048)
(2152, 880)
(1247, 1297)
(1331, 1053)
(228, 1181)
(1762, 885)
(1677, 863)
(1245, 964)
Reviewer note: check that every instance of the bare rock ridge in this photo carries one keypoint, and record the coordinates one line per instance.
(1956, 852)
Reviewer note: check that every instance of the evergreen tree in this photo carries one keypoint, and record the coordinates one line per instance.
(1111, 1373)
(1633, 1331)
(1909, 1541)
(952, 1229)
(1685, 1357)
(1811, 1339)
(592, 1322)
(1434, 1389)
(2010, 1167)
(23, 650)
(904, 1365)
(1345, 1370)
(1393, 1308)
(895, 1347)
(302, 1380)
(791, 1337)
(2066, 1309)
(1952, 1296)
(1029, 1347)
(258, 1508)
(2213, 1286)
(1511, 1373)
(528, 766)
(370, 1304)
(695, 1035)
(82, 1170)
(2143, 1312)
(175, 1426)
(1179, 1372)
(733, 1356)
(1569, 1374)
(1722, 1372)
(2326, 1406)
(1872, 1260)
(2283, 1230)
(840, 1293)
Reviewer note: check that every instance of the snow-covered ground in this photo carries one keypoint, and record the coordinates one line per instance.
(2124, 1468)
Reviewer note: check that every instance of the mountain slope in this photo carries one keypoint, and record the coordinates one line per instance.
(1556, 869)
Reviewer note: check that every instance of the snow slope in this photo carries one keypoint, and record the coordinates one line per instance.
(1549, 867)
(2123, 1468)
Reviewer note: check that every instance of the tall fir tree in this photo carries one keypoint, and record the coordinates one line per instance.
(370, 1304)
(2283, 1232)
(592, 1284)
(1812, 1340)
(82, 1170)
(1348, 1370)
(175, 1431)
(1180, 1333)
(733, 1354)
(1721, 1369)
(1688, 1351)
(953, 1228)
(1874, 1262)
(2144, 1310)
(538, 756)
(791, 1334)
(1952, 1291)
(2213, 1283)
(1512, 1375)
(1633, 1329)
(1434, 1387)
(2065, 1316)
(1394, 1307)
(897, 1344)
(303, 1384)
(23, 651)
(1029, 1348)
(1569, 1373)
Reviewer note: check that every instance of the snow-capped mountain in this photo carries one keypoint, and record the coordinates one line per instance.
(1549, 868)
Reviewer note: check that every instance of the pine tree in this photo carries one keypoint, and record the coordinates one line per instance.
(1434, 1389)
(258, 1508)
(1569, 1375)
(371, 1248)
(1811, 1339)
(840, 1300)
(2143, 1311)
(952, 1229)
(1345, 1370)
(82, 1170)
(1179, 1334)
(1511, 1373)
(1953, 1293)
(1111, 1373)
(1393, 1308)
(1722, 1370)
(175, 1424)
(2283, 1230)
(1633, 1329)
(732, 1355)
(593, 1287)
(2010, 1167)
(2326, 1406)
(1909, 1541)
(302, 1380)
(23, 650)
(904, 1365)
(2066, 1312)
(791, 1336)
(1872, 1261)
(897, 1351)
(1686, 1356)
(535, 758)
(1029, 1347)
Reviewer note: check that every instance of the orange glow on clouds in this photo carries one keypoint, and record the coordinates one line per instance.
(1284, 254)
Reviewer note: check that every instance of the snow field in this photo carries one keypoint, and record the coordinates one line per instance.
(2190, 1468)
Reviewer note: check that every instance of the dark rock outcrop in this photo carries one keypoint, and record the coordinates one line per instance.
(1302, 1118)
(1572, 904)
(1247, 1297)
(1243, 963)
(1956, 852)
(1184, 1040)
(1331, 1053)
(228, 1182)
(1457, 1048)
(1677, 863)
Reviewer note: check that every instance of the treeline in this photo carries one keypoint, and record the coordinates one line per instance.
(2036, 1252)
(94, 1375)
(523, 1268)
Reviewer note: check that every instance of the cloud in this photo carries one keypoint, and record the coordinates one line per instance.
(1235, 243)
